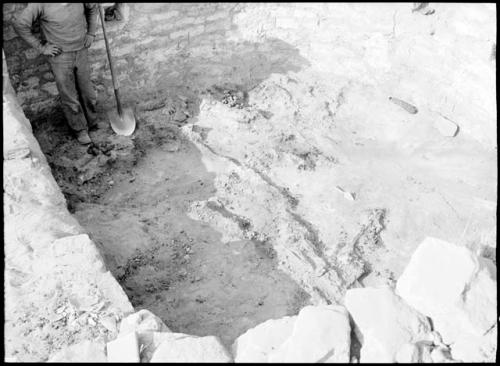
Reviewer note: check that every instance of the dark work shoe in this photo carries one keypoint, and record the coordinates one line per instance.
(83, 137)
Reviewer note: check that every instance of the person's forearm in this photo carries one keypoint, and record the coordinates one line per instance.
(25, 33)
(23, 23)
(91, 15)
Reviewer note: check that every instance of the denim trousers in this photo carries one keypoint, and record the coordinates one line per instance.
(78, 97)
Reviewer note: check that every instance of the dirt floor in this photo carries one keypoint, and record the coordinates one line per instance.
(133, 195)
(236, 205)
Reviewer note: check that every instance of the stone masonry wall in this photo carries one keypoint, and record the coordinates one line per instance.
(57, 288)
(161, 46)
(150, 46)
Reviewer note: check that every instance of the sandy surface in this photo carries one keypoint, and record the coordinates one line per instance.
(179, 268)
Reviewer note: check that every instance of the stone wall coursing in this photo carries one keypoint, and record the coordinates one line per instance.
(445, 66)
(441, 62)
(57, 288)
(155, 46)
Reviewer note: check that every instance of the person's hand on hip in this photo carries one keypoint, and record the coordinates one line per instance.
(51, 50)
(89, 38)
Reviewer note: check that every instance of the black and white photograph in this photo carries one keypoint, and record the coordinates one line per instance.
(250, 182)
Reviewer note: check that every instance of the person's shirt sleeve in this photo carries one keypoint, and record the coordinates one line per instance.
(23, 23)
(91, 15)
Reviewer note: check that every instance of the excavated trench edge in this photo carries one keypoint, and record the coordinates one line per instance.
(35, 149)
(313, 238)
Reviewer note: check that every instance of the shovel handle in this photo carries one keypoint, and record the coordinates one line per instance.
(111, 65)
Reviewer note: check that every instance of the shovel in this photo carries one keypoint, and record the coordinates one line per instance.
(122, 123)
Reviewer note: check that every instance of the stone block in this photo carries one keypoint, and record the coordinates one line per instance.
(142, 321)
(473, 347)
(178, 347)
(320, 334)
(255, 344)
(48, 76)
(445, 126)
(407, 353)
(99, 45)
(189, 32)
(78, 252)
(50, 88)
(163, 29)
(9, 33)
(218, 26)
(43, 106)
(31, 53)
(164, 16)
(125, 50)
(217, 16)
(124, 349)
(114, 292)
(452, 286)
(185, 21)
(25, 97)
(287, 23)
(30, 83)
(386, 324)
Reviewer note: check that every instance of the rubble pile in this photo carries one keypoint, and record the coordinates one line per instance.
(442, 310)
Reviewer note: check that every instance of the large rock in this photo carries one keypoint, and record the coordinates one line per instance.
(178, 347)
(420, 352)
(385, 323)
(457, 290)
(320, 334)
(473, 347)
(148, 343)
(255, 344)
(125, 348)
(142, 321)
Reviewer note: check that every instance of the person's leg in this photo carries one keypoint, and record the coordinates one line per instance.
(63, 70)
(85, 87)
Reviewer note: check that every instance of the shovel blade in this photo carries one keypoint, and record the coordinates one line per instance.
(123, 125)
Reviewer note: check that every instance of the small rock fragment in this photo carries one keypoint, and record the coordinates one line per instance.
(446, 127)
(406, 106)
(350, 196)
(109, 322)
(19, 153)
(142, 321)
(180, 116)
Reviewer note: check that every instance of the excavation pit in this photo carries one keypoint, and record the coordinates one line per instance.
(135, 209)
(272, 167)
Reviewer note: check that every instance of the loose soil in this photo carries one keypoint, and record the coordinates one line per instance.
(132, 195)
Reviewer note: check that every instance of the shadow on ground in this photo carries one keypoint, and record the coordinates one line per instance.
(132, 196)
